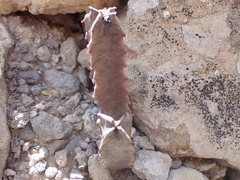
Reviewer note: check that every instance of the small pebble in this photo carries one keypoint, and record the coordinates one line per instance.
(43, 53)
(84, 106)
(83, 144)
(27, 100)
(26, 146)
(51, 172)
(21, 82)
(35, 90)
(41, 166)
(33, 114)
(40, 106)
(75, 174)
(9, 172)
(61, 158)
(23, 89)
(87, 140)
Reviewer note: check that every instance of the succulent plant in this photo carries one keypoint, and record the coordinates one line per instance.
(108, 53)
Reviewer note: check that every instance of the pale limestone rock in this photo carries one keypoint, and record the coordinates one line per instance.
(52, 7)
(186, 174)
(181, 97)
(151, 165)
(96, 170)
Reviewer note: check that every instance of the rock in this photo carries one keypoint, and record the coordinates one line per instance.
(84, 59)
(33, 114)
(62, 80)
(83, 77)
(29, 57)
(35, 90)
(186, 174)
(41, 166)
(23, 65)
(9, 172)
(176, 163)
(68, 52)
(96, 170)
(49, 127)
(43, 53)
(53, 7)
(36, 157)
(55, 58)
(19, 120)
(31, 76)
(181, 97)
(204, 36)
(26, 146)
(83, 144)
(90, 150)
(151, 165)
(23, 89)
(73, 101)
(61, 158)
(75, 174)
(27, 100)
(26, 133)
(81, 159)
(51, 172)
(72, 118)
(21, 82)
(6, 40)
(145, 143)
(90, 126)
(55, 146)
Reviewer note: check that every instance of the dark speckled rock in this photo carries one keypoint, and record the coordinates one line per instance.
(186, 102)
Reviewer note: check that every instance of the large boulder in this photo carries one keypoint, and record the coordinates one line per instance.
(183, 78)
(6, 42)
(53, 6)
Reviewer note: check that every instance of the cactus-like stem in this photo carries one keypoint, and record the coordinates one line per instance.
(108, 53)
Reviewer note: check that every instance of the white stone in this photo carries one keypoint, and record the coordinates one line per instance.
(75, 174)
(151, 165)
(26, 146)
(41, 166)
(51, 172)
(186, 174)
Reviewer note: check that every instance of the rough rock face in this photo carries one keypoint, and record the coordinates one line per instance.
(52, 7)
(6, 42)
(183, 76)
